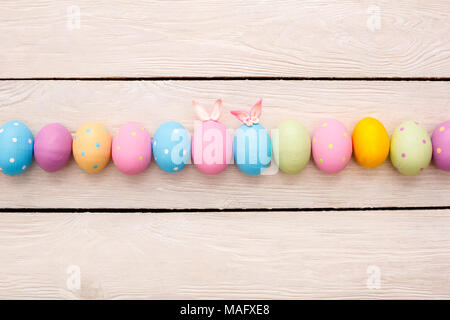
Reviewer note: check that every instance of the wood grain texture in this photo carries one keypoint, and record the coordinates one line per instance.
(212, 256)
(114, 103)
(315, 38)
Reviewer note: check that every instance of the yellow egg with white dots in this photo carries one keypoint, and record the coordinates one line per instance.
(92, 147)
(370, 143)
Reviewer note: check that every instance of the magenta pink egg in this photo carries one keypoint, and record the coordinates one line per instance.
(331, 146)
(212, 147)
(132, 148)
(53, 147)
(441, 145)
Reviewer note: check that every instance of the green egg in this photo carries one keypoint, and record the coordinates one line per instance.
(411, 148)
(291, 146)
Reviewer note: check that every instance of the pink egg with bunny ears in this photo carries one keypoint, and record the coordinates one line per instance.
(212, 147)
(331, 146)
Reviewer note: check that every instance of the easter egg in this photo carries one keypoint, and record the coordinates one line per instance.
(92, 147)
(411, 149)
(53, 147)
(132, 148)
(252, 149)
(16, 148)
(370, 143)
(291, 146)
(331, 146)
(212, 147)
(441, 146)
(171, 146)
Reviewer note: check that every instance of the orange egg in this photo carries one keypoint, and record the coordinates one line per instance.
(370, 143)
(92, 147)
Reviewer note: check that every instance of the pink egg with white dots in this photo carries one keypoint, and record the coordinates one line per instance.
(331, 146)
(441, 146)
(132, 148)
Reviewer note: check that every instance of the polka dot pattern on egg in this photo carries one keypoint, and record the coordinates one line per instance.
(132, 148)
(410, 149)
(441, 146)
(92, 148)
(172, 146)
(16, 152)
(332, 146)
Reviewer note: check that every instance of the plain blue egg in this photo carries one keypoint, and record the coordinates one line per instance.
(16, 148)
(171, 146)
(252, 149)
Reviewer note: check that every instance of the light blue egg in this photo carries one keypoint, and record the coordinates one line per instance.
(171, 146)
(252, 149)
(16, 148)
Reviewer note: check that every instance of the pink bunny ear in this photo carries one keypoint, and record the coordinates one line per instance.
(255, 112)
(243, 116)
(200, 111)
(217, 110)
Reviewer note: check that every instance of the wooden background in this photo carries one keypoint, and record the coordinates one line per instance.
(358, 234)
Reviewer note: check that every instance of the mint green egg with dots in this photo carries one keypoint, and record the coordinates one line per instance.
(411, 148)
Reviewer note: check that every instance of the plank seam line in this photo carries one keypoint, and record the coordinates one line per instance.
(436, 79)
(211, 210)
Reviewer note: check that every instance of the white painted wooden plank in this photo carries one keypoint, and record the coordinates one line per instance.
(38, 103)
(315, 38)
(235, 255)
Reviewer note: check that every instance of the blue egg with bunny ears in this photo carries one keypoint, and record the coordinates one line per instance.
(252, 146)
(171, 146)
(252, 149)
(16, 148)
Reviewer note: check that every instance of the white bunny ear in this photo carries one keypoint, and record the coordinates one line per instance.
(217, 110)
(243, 116)
(200, 111)
(255, 112)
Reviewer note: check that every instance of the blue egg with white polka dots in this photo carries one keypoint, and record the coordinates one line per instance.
(252, 149)
(16, 148)
(171, 146)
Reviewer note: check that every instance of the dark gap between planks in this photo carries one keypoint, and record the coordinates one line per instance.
(211, 210)
(229, 79)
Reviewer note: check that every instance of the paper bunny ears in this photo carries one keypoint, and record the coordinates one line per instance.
(251, 118)
(248, 118)
(203, 115)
